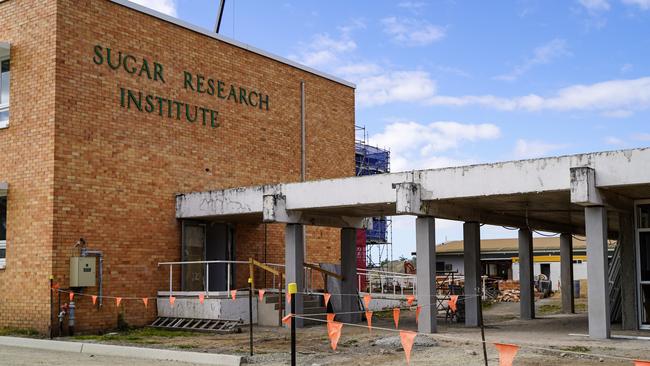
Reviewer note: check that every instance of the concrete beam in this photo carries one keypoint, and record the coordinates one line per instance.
(628, 281)
(349, 291)
(408, 201)
(598, 284)
(472, 258)
(425, 246)
(566, 273)
(274, 209)
(527, 298)
(294, 254)
(583, 187)
(445, 210)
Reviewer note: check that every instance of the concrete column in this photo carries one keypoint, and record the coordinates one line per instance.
(598, 286)
(425, 246)
(349, 284)
(566, 273)
(472, 257)
(626, 239)
(294, 252)
(527, 303)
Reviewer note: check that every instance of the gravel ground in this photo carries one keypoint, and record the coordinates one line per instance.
(453, 345)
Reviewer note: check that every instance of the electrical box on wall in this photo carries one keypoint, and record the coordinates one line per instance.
(82, 271)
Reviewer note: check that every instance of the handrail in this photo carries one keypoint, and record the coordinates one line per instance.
(316, 268)
(265, 267)
(201, 262)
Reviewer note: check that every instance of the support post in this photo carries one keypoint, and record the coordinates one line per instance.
(527, 298)
(566, 273)
(425, 246)
(598, 286)
(349, 293)
(472, 257)
(626, 239)
(294, 258)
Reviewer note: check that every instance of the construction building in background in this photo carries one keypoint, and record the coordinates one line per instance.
(374, 244)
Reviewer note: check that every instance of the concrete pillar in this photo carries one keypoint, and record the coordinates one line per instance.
(566, 273)
(349, 284)
(527, 301)
(598, 286)
(425, 246)
(294, 252)
(472, 257)
(626, 239)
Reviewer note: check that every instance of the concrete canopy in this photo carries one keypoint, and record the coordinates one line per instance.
(542, 194)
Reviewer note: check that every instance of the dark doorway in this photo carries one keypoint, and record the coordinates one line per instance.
(206, 241)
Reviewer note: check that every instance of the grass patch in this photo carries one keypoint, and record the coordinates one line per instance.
(141, 335)
(186, 346)
(19, 332)
(581, 349)
(582, 307)
(547, 309)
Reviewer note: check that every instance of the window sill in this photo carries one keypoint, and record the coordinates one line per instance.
(4, 125)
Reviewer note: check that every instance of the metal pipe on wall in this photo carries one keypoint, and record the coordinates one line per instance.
(303, 143)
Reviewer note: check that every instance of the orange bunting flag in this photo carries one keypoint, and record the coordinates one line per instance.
(507, 353)
(288, 297)
(145, 300)
(327, 298)
(417, 313)
(407, 338)
(118, 300)
(233, 294)
(396, 317)
(369, 319)
(71, 296)
(172, 299)
(287, 320)
(201, 298)
(260, 293)
(94, 297)
(334, 332)
(330, 317)
(366, 300)
(409, 299)
(641, 363)
(55, 286)
(452, 302)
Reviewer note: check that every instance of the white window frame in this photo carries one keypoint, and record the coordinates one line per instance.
(3, 243)
(3, 57)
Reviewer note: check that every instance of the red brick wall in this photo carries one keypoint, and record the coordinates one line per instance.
(27, 162)
(116, 170)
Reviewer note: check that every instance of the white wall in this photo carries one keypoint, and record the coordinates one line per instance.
(579, 272)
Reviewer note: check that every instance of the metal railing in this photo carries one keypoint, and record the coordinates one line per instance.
(386, 283)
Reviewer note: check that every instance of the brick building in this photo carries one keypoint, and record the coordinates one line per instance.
(107, 111)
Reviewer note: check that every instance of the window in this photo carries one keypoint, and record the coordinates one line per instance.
(4, 92)
(3, 230)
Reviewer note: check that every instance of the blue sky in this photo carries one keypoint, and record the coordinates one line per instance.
(445, 83)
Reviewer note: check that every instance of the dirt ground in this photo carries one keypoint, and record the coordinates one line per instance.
(453, 345)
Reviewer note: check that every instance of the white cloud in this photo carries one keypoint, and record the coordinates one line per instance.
(642, 136)
(411, 4)
(595, 5)
(607, 96)
(525, 149)
(168, 7)
(611, 140)
(412, 32)
(324, 51)
(418, 146)
(395, 86)
(543, 54)
(641, 4)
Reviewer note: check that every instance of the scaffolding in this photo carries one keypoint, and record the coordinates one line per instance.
(372, 160)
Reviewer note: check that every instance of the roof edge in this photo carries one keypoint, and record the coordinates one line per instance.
(197, 29)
